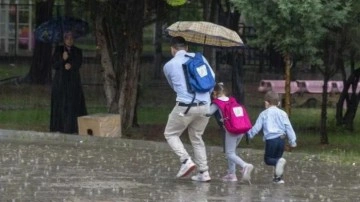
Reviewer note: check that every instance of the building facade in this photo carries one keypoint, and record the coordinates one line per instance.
(16, 27)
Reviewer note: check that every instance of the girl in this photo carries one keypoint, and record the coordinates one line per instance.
(231, 141)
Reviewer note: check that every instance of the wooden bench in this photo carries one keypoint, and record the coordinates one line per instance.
(338, 86)
(313, 86)
(277, 86)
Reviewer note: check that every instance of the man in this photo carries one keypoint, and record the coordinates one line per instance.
(194, 120)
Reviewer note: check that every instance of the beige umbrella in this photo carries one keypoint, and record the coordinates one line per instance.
(205, 33)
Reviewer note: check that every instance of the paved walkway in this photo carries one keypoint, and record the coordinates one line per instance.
(56, 167)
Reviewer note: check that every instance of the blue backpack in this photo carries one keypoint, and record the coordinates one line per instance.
(198, 75)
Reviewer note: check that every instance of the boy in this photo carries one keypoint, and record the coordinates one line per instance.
(276, 126)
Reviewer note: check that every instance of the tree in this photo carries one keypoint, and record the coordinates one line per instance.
(294, 28)
(40, 69)
(118, 31)
(352, 101)
(350, 51)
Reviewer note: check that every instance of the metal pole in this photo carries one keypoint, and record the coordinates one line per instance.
(30, 36)
(6, 30)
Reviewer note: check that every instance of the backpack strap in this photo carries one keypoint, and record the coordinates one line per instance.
(186, 73)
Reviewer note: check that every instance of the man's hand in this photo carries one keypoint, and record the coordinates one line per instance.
(65, 55)
(67, 66)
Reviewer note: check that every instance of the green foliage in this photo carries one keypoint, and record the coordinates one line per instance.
(188, 12)
(292, 26)
(176, 2)
(351, 30)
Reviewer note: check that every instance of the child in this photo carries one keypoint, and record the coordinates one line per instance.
(275, 125)
(231, 141)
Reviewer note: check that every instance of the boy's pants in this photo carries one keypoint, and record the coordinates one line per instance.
(274, 149)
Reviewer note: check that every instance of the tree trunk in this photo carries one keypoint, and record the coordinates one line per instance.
(110, 84)
(210, 15)
(287, 104)
(119, 31)
(331, 58)
(238, 79)
(323, 132)
(350, 99)
(158, 50)
(40, 69)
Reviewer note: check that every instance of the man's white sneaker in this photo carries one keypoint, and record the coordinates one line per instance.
(279, 168)
(247, 172)
(186, 168)
(202, 177)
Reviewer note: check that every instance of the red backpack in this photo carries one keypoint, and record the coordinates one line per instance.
(234, 116)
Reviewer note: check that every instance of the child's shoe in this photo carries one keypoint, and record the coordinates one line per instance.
(230, 177)
(247, 172)
(278, 180)
(279, 168)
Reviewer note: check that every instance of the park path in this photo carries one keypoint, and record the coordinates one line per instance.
(55, 167)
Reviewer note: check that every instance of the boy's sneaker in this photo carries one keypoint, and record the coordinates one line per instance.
(202, 177)
(186, 168)
(247, 172)
(279, 168)
(230, 177)
(278, 180)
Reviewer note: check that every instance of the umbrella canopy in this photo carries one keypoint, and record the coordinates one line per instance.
(205, 33)
(52, 31)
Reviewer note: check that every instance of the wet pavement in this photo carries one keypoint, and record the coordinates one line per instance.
(56, 167)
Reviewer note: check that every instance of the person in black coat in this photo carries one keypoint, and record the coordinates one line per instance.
(67, 97)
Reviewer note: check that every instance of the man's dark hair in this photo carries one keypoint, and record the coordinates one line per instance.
(178, 42)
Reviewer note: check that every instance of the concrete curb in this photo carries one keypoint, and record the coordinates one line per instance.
(56, 138)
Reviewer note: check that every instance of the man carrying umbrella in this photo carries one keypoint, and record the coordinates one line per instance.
(194, 120)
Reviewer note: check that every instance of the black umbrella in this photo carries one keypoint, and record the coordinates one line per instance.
(52, 31)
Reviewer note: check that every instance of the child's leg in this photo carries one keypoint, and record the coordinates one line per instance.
(231, 143)
(274, 149)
